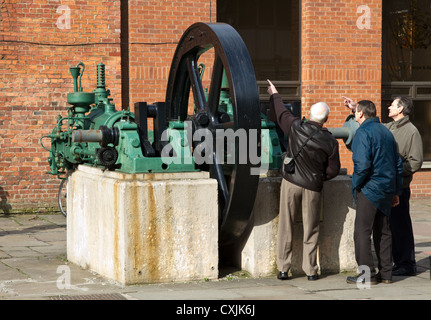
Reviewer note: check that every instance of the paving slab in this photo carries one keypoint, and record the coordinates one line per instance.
(34, 266)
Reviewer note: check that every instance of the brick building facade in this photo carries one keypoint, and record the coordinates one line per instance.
(340, 50)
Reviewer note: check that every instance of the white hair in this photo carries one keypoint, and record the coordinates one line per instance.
(319, 112)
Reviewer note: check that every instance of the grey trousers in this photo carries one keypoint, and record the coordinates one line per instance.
(292, 199)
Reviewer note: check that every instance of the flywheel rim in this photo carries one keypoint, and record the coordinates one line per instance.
(237, 191)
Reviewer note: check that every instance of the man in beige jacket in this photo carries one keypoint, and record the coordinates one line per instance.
(411, 151)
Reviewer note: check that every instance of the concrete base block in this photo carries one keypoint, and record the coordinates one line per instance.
(258, 254)
(336, 247)
(143, 228)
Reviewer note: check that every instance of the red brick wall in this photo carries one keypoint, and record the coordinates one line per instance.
(338, 58)
(155, 27)
(341, 55)
(421, 185)
(35, 56)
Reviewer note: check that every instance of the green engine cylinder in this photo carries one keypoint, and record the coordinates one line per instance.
(95, 133)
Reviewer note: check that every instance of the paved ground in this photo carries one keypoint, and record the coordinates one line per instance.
(33, 266)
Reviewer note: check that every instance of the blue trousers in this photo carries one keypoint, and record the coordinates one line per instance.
(403, 244)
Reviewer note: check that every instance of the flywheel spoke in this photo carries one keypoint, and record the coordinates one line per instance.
(215, 88)
(196, 83)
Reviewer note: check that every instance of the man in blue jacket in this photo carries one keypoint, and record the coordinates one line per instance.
(376, 184)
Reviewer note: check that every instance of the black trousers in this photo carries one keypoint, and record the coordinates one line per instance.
(403, 243)
(369, 222)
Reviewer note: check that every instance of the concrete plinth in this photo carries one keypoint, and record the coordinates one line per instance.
(143, 228)
(257, 254)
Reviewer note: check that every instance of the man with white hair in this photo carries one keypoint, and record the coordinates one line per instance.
(319, 112)
(317, 159)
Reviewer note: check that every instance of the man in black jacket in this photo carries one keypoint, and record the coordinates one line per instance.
(316, 160)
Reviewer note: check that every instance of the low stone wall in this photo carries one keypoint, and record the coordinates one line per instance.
(143, 228)
(148, 228)
(257, 252)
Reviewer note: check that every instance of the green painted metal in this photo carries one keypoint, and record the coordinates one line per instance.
(347, 131)
(271, 150)
(92, 110)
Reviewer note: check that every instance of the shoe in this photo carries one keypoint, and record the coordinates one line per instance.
(282, 275)
(313, 277)
(401, 271)
(381, 280)
(359, 279)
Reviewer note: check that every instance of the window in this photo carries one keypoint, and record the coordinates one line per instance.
(271, 32)
(407, 60)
